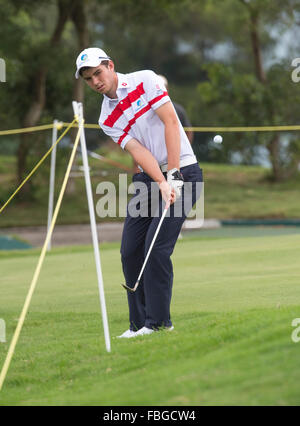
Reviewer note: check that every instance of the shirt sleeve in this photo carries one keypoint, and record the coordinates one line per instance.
(155, 91)
(119, 136)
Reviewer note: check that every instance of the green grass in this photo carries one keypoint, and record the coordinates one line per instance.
(230, 192)
(246, 192)
(233, 304)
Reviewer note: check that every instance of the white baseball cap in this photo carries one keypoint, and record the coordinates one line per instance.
(91, 57)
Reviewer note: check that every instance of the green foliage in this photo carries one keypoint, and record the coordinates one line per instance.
(204, 49)
(236, 99)
(26, 33)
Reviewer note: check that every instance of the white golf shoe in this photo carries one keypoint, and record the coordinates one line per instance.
(143, 331)
(127, 334)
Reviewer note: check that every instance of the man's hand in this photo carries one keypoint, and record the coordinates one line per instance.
(167, 193)
(175, 180)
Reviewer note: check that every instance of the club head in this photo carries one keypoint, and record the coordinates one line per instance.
(127, 288)
(132, 290)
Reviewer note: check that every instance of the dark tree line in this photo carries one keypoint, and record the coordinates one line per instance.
(40, 41)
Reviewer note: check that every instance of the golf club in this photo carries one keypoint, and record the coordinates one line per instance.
(132, 290)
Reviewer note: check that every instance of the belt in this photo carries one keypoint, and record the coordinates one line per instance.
(183, 163)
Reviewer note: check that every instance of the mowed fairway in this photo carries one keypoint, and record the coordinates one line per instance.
(233, 305)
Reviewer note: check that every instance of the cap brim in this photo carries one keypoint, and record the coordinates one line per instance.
(90, 64)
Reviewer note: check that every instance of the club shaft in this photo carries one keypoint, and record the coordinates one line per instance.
(153, 241)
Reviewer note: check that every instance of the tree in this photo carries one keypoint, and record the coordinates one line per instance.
(28, 90)
(254, 95)
(255, 11)
(212, 52)
(38, 76)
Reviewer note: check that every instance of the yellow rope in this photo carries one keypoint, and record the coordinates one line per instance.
(37, 166)
(219, 129)
(244, 129)
(87, 126)
(39, 266)
(26, 129)
(192, 129)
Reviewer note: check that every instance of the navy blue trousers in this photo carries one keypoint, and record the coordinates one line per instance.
(150, 305)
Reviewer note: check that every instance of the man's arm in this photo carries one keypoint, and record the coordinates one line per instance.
(172, 134)
(145, 159)
(172, 137)
(136, 167)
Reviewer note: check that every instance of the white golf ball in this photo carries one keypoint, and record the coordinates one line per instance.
(218, 139)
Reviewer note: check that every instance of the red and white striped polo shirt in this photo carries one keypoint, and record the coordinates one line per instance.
(131, 115)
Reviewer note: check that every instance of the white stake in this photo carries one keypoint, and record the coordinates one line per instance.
(78, 110)
(52, 179)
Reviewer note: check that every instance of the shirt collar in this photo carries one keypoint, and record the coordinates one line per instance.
(123, 83)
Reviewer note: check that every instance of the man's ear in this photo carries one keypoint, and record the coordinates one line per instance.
(111, 65)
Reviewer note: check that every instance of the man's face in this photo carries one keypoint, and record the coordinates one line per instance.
(102, 79)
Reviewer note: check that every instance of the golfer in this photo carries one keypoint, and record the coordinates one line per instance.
(138, 115)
